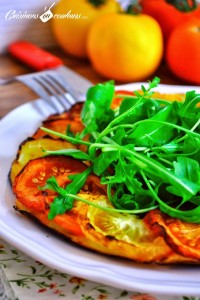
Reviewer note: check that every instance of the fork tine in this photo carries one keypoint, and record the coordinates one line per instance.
(38, 89)
(65, 86)
(55, 83)
(35, 86)
(51, 89)
(55, 78)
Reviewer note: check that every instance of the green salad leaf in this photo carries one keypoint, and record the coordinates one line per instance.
(63, 202)
(96, 112)
(147, 153)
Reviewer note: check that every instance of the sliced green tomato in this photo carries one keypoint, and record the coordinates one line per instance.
(31, 149)
(124, 227)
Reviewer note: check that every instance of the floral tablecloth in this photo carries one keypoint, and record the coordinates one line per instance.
(23, 278)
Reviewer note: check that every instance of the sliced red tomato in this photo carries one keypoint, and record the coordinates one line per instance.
(72, 114)
(119, 96)
(182, 237)
(59, 125)
(36, 202)
(36, 173)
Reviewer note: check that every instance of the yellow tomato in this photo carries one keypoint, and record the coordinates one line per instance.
(72, 20)
(125, 47)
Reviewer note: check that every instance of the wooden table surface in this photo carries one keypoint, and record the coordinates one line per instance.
(15, 94)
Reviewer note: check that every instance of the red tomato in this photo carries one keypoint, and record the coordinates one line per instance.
(167, 15)
(183, 51)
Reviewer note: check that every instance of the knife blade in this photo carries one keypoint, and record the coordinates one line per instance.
(40, 60)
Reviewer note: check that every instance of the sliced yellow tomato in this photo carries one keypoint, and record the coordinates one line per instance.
(124, 227)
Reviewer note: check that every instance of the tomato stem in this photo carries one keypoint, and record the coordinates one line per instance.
(183, 5)
(134, 8)
(97, 3)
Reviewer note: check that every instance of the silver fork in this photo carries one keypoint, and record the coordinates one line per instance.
(52, 87)
(61, 87)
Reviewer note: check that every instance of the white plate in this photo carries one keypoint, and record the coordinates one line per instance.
(58, 253)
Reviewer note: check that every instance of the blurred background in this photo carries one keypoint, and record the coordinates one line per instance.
(29, 29)
(123, 48)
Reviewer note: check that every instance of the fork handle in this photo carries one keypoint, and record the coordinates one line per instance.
(33, 56)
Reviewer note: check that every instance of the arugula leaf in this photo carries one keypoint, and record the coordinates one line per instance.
(119, 118)
(190, 104)
(156, 134)
(190, 112)
(187, 168)
(52, 184)
(75, 153)
(147, 153)
(96, 112)
(191, 148)
(62, 202)
(145, 109)
(103, 161)
(188, 171)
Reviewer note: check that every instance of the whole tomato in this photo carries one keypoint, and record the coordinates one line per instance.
(167, 15)
(125, 47)
(183, 51)
(72, 20)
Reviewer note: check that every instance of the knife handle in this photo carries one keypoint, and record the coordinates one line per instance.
(33, 56)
